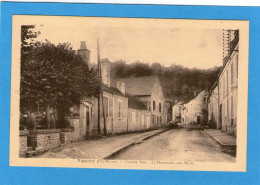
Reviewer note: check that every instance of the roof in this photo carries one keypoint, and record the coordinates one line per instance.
(203, 91)
(179, 103)
(112, 90)
(213, 87)
(83, 46)
(104, 60)
(139, 86)
(134, 103)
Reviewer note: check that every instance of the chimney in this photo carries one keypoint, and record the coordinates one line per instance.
(195, 93)
(121, 86)
(84, 52)
(105, 71)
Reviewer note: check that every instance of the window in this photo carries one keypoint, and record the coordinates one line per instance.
(220, 86)
(133, 117)
(160, 108)
(227, 82)
(232, 111)
(227, 109)
(149, 106)
(110, 107)
(154, 105)
(142, 120)
(204, 99)
(223, 111)
(105, 108)
(223, 85)
(139, 118)
(232, 73)
(119, 109)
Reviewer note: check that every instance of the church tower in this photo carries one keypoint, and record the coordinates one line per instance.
(84, 52)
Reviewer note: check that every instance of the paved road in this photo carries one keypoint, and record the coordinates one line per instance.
(185, 143)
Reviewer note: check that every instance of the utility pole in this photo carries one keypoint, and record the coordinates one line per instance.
(100, 96)
(99, 75)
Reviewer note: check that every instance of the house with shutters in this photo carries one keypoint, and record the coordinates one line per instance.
(147, 91)
(227, 87)
(196, 110)
(113, 110)
(139, 116)
(213, 107)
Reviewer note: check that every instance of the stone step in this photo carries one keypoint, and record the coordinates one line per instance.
(31, 153)
(29, 148)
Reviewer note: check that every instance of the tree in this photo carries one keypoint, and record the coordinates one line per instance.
(55, 76)
(28, 34)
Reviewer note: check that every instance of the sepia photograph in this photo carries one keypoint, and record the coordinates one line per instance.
(129, 93)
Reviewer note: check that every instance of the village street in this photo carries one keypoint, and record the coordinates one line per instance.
(182, 144)
(186, 143)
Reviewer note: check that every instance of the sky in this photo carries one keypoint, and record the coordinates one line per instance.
(192, 44)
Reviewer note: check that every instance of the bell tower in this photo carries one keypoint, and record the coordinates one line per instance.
(84, 52)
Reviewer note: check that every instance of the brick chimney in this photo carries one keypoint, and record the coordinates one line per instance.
(84, 52)
(121, 86)
(105, 71)
(195, 93)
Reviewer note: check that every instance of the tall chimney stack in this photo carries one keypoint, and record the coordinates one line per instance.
(195, 93)
(105, 71)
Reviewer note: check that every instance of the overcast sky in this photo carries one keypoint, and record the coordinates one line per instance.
(146, 40)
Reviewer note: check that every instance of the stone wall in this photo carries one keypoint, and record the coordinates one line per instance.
(43, 140)
(68, 135)
(23, 142)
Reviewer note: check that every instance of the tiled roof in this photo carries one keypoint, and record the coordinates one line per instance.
(133, 102)
(139, 86)
(112, 90)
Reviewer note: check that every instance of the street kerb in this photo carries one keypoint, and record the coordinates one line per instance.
(110, 156)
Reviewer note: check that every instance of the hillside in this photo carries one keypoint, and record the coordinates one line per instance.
(178, 82)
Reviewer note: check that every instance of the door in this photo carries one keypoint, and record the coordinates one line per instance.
(220, 117)
(87, 122)
(198, 120)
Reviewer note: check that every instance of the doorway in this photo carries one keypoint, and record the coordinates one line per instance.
(220, 117)
(198, 120)
(87, 122)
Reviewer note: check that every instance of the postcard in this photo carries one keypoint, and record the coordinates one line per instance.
(129, 93)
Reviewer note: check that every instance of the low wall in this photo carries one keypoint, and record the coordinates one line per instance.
(43, 140)
(23, 142)
(69, 135)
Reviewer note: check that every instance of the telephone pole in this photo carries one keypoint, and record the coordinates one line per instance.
(99, 75)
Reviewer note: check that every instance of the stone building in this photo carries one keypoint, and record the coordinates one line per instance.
(196, 111)
(113, 108)
(177, 109)
(149, 91)
(139, 117)
(228, 82)
(213, 111)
